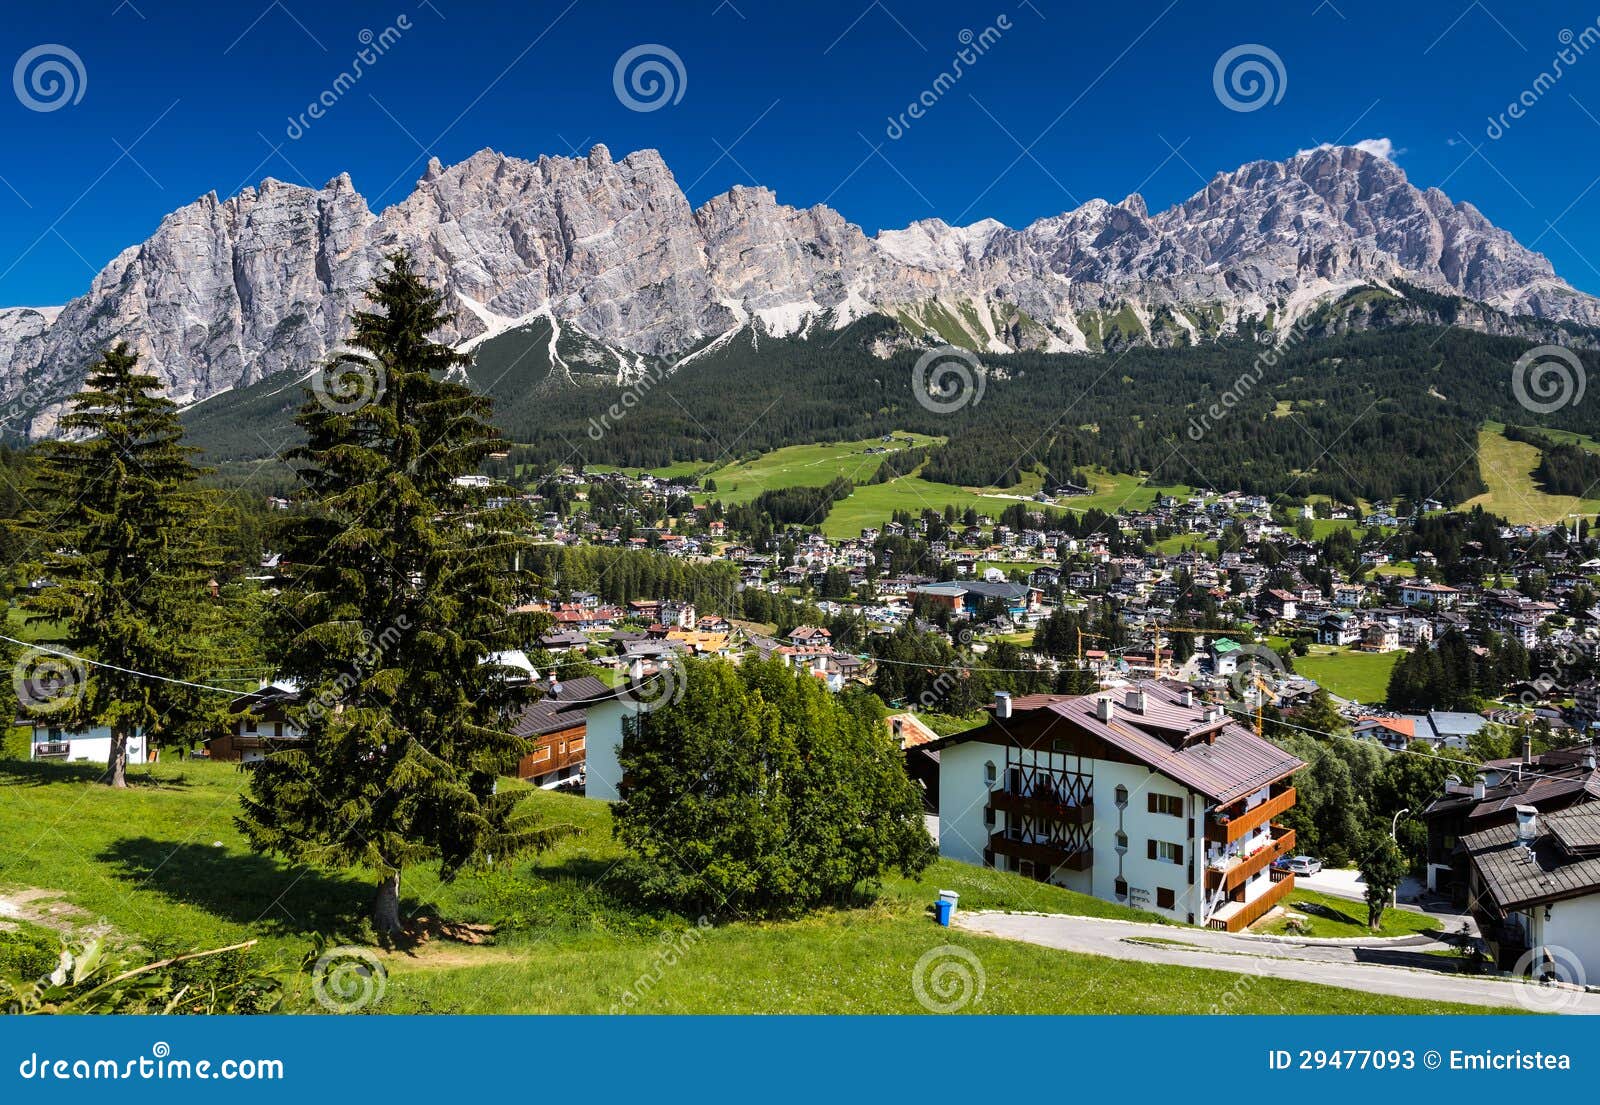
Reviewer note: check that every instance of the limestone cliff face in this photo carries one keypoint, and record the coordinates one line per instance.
(226, 292)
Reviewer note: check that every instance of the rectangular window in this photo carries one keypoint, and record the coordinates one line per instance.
(1168, 852)
(1165, 898)
(1166, 803)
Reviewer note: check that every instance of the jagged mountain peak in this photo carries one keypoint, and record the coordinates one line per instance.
(229, 291)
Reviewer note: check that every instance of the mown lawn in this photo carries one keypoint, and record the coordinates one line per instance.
(807, 466)
(1350, 673)
(1328, 916)
(162, 862)
(1507, 468)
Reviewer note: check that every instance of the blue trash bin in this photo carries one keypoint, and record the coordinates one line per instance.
(943, 909)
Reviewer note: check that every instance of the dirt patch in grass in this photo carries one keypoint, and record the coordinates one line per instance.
(49, 909)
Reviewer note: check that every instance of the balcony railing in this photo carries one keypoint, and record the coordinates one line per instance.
(1235, 916)
(1235, 828)
(1042, 806)
(52, 750)
(1233, 872)
(1046, 855)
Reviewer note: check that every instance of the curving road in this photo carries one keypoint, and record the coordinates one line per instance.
(1399, 967)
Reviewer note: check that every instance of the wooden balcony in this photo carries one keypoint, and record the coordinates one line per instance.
(1024, 805)
(1049, 856)
(1238, 872)
(1235, 916)
(1236, 827)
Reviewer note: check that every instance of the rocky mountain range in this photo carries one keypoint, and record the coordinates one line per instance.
(227, 292)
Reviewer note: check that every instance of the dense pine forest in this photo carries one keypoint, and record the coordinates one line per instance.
(1373, 414)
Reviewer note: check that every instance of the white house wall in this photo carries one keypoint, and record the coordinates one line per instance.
(91, 745)
(964, 835)
(602, 746)
(963, 796)
(1575, 925)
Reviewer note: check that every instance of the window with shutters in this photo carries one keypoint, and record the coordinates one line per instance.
(1166, 803)
(1167, 852)
(1165, 898)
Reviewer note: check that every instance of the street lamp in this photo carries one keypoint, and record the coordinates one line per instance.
(1394, 828)
(1394, 825)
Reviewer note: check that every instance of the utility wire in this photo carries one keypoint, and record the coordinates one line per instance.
(113, 667)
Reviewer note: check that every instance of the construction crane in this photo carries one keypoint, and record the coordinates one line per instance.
(1081, 636)
(1156, 640)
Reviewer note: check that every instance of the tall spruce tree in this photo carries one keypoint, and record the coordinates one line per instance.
(401, 589)
(117, 531)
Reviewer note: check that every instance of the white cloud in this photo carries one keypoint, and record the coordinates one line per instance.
(1377, 147)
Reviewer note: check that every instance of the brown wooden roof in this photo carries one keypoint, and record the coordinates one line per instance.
(1213, 756)
(1549, 871)
(565, 710)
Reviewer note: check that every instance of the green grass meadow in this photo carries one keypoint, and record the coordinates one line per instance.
(161, 863)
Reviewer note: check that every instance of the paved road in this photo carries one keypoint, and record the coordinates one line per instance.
(1397, 968)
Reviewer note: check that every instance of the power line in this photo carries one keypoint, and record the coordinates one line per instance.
(113, 667)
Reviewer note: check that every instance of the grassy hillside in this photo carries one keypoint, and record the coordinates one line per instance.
(1350, 673)
(162, 863)
(1507, 467)
(807, 466)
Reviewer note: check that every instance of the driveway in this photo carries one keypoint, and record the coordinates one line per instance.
(1399, 968)
(1346, 882)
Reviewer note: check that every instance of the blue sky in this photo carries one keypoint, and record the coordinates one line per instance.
(1066, 102)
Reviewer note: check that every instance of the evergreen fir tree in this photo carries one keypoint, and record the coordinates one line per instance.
(117, 532)
(401, 592)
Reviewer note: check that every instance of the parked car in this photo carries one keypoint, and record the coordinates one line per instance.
(1299, 865)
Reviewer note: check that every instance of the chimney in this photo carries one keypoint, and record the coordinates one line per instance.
(636, 670)
(899, 723)
(555, 686)
(1002, 704)
(1136, 701)
(1527, 827)
(1527, 746)
(1186, 698)
(1479, 789)
(1105, 709)
(1588, 760)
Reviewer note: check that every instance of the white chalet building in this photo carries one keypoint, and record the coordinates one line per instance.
(1141, 796)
